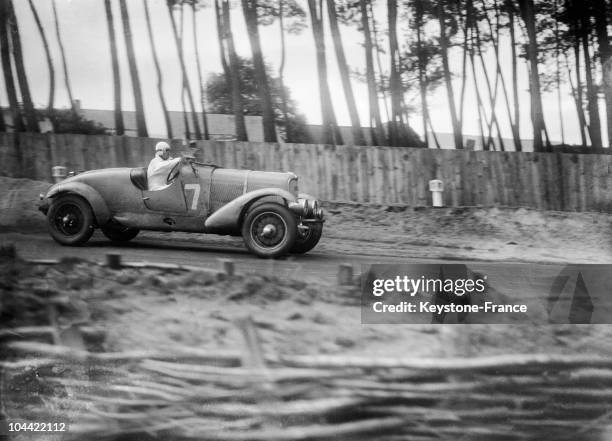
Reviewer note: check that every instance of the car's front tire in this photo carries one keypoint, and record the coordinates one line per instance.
(307, 240)
(70, 219)
(119, 233)
(269, 230)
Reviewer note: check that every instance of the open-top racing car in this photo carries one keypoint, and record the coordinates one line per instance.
(264, 207)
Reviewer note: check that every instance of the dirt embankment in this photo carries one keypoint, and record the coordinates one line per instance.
(451, 233)
(157, 309)
(472, 232)
(18, 204)
(163, 310)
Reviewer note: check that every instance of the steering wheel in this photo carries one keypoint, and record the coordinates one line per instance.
(173, 174)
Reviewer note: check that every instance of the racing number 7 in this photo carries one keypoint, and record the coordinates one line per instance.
(196, 194)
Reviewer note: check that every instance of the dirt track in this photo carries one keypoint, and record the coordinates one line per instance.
(355, 234)
(471, 233)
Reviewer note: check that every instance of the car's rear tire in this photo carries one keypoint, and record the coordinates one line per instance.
(119, 233)
(70, 220)
(305, 242)
(269, 230)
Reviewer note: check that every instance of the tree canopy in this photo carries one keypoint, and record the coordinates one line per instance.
(218, 93)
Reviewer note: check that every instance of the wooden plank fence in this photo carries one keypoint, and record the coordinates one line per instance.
(381, 175)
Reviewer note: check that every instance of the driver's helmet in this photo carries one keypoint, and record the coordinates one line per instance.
(162, 146)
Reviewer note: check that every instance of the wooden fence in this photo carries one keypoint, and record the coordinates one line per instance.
(383, 175)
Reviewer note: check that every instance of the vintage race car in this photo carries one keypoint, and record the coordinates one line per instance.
(264, 207)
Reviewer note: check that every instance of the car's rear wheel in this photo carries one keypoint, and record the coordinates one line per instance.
(269, 230)
(70, 220)
(119, 233)
(308, 239)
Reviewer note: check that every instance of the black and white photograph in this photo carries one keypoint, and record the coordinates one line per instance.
(305, 220)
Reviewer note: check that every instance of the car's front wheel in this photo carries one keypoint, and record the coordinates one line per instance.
(71, 220)
(269, 230)
(119, 233)
(306, 240)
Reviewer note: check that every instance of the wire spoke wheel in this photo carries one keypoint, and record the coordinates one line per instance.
(269, 230)
(70, 220)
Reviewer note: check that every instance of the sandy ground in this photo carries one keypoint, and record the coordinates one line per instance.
(156, 309)
(100, 309)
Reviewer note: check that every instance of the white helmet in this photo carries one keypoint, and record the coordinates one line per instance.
(162, 146)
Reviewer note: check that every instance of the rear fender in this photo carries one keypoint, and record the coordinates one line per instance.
(99, 207)
(229, 217)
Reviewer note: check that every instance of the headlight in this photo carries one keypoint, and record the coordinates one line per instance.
(315, 207)
(307, 208)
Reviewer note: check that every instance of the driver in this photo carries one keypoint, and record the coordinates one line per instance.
(160, 166)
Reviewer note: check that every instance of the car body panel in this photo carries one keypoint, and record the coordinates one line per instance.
(203, 197)
(230, 215)
(96, 201)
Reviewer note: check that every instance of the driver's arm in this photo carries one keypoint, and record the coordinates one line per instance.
(172, 162)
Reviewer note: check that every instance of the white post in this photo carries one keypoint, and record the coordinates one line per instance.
(436, 187)
(58, 173)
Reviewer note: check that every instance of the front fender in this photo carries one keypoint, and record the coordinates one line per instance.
(228, 216)
(306, 196)
(98, 205)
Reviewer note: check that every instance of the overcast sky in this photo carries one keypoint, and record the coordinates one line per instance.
(85, 36)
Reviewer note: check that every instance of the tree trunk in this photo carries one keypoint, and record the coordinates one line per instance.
(463, 25)
(447, 76)
(605, 57)
(499, 74)
(577, 93)
(422, 69)
(358, 138)
(397, 128)
(22, 78)
(558, 67)
(584, 126)
(222, 43)
(43, 36)
(537, 116)
(141, 125)
(7, 69)
(330, 129)
(378, 134)
(377, 51)
(249, 9)
(187, 132)
(492, 92)
(185, 79)
(517, 109)
(160, 89)
(199, 66)
(234, 68)
(479, 105)
(592, 98)
(119, 127)
(63, 57)
(281, 73)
